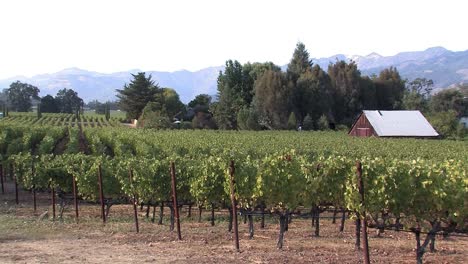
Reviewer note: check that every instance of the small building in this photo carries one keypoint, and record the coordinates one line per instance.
(392, 124)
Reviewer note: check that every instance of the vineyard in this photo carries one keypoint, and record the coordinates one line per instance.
(418, 186)
(71, 120)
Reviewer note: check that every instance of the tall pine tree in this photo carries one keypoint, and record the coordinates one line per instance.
(136, 95)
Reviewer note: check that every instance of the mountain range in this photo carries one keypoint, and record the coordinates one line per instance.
(446, 68)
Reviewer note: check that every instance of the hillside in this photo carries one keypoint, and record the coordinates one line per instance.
(445, 67)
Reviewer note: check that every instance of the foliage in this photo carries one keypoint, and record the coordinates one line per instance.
(230, 86)
(272, 101)
(389, 89)
(136, 95)
(446, 123)
(68, 101)
(299, 64)
(308, 123)
(154, 116)
(282, 170)
(20, 96)
(292, 121)
(450, 99)
(311, 95)
(49, 104)
(345, 84)
(200, 101)
(172, 104)
(322, 123)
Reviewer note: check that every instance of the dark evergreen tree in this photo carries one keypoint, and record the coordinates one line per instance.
(136, 95)
(299, 64)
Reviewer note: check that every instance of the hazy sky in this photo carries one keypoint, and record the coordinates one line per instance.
(108, 36)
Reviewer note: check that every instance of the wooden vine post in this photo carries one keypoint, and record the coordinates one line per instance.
(234, 204)
(53, 203)
(16, 183)
(33, 187)
(75, 198)
(363, 214)
(101, 194)
(135, 201)
(1, 178)
(174, 199)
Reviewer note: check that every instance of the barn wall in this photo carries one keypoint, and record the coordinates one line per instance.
(362, 128)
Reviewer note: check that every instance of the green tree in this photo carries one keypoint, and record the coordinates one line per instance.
(417, 94)
(242, 118)
(312, 94)
(172, 103)
(203, 120)
(368, 96)
(201, 103)
(68, 101)
(450, 99)
(414, 101)
(292, 121)
(247, 119)
(272, 99)
(446, 123)
(200, 100)
(230, 87)
(390, 89)
(308, 123)
(154, 116)
(250, 73)
(421, 86)
(49, 104)
(136, 95)
(346, 91)
(20, 96)
(323, 123)
(299, 64)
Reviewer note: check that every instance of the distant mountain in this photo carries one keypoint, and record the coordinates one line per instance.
(444, 67)
(94, 85)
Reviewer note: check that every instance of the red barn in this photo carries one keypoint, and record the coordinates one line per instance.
(392, 124)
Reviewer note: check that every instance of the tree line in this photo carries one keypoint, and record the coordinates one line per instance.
(20, 97)
(256, 96)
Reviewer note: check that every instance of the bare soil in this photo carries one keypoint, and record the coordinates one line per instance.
(26, 239)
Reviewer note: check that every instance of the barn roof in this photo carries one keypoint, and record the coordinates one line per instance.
(400, 124)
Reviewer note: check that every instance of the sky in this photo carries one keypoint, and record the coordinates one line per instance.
(109, 36)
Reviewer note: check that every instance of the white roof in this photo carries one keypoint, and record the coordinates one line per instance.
(400, 124)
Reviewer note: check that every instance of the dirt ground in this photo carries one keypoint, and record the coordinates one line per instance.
(26, 239)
